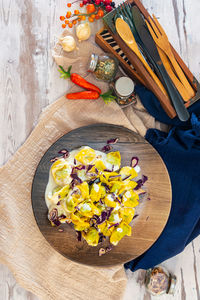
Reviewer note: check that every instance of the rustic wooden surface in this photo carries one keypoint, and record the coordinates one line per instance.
(153, 214)
(29, 81)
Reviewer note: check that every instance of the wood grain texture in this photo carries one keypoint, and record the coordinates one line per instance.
(10, 289)
(153, 214)
(19, 112)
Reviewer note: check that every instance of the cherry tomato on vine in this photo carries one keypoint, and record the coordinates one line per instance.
(68, 15)
(90, 19)
(100, 13)
(90, 8)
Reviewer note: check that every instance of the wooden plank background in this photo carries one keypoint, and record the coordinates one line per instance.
(29, 81)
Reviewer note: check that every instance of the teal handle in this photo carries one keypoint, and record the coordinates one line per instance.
(174, 95)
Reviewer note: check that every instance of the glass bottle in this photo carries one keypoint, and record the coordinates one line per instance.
(104, 67)
(159, 281)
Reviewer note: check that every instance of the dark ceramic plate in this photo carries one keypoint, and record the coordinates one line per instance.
(153, 213)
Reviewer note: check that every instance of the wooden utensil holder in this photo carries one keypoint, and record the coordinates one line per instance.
(112, 43)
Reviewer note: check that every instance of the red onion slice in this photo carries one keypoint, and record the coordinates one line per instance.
(106, 187)
(113, 225)
(109, 248)
(101, 202)
(75, 176)
(114, 176)
(89, 167)
(66, 155)
(135, 217)
(126, 177)
(75, 182)
(118, 200)
(101, 237)
(102, 218)
(53, 214)
(134, 161)
(54, 159)
(106, 148)
(63, 151)
(112, 141)
(141, 182)
(56, 222)
(61, 217)
(81, 167)
(79, 235)
(107, 170)
(109, 212)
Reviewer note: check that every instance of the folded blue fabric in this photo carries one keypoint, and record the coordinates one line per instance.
(154, 108)
(180, 150)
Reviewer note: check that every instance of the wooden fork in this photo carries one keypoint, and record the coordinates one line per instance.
(178, 84)
(161, 39)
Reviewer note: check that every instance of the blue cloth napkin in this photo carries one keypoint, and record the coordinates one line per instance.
(180, 150)
(154, 108)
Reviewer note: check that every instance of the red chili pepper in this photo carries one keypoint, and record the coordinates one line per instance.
(88, 95)
(77, 79)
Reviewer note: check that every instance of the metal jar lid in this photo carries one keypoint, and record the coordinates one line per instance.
(93, 62)
(124, 86)
(172, 284)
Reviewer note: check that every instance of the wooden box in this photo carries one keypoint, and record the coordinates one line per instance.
(110, 42)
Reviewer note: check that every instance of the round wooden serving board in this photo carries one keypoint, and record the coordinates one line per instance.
(153, 213)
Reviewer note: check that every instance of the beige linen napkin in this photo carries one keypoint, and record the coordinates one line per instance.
(34, 263)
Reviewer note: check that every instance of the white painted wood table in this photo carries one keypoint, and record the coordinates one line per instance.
(29, 82)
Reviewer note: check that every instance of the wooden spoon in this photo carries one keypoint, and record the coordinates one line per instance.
(125, 33)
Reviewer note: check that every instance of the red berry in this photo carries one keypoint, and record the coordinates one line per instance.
(85, 2)
(97, 2)
(107, 2)
(108, 8)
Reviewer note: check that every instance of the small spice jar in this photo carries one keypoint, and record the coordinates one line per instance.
(123, 89)
(159, 281)
(104, 67)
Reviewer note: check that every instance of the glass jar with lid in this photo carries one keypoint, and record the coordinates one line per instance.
(123, 89)
(159, 281)
(104, 67)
